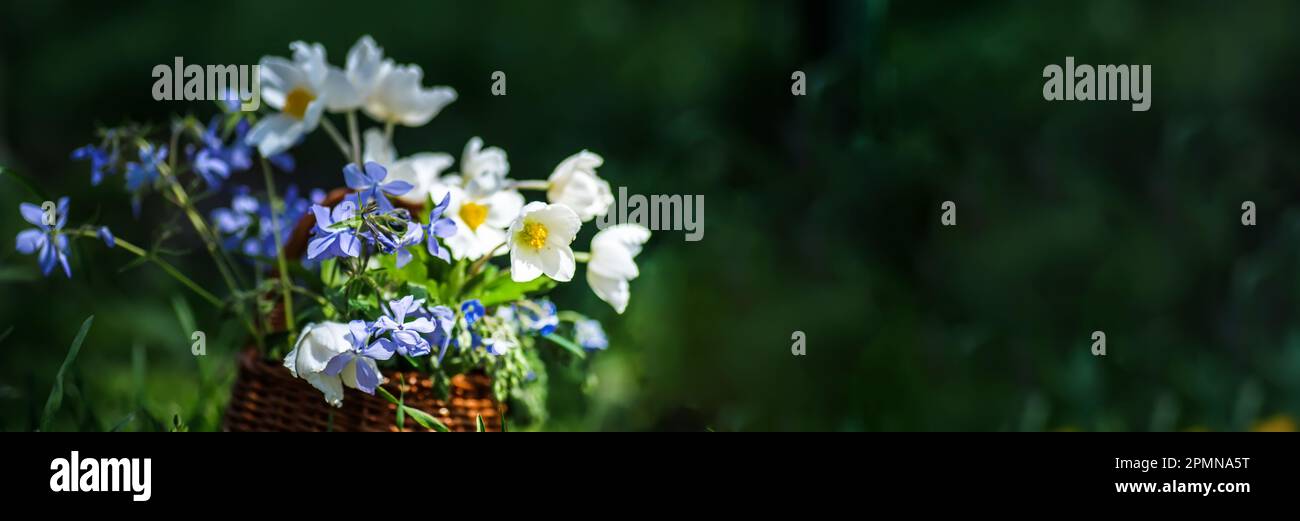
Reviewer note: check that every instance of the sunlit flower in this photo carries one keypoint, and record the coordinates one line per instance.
(318, 345)
(371, 183)
(481, 222)
(349, 87)
(539, 242)
(334, 238)
(406, 336)
(300, 90)
(612, 262)
(574, 183)
(357, 364)
(440, 228)
(398, 98)
(483, 170)
(420, 170)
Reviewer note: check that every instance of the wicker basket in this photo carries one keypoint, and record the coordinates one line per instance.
(266, 397)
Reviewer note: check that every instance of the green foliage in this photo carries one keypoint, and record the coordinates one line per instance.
(425, 419)
(55, 399)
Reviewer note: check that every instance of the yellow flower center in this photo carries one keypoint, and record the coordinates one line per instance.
(295, 104)
(473, 214)
(534, 234)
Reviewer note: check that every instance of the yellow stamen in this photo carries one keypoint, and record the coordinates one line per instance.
(534, 234)
(473, 214)
(295, 104)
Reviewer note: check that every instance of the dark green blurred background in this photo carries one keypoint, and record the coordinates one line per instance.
(821, 214)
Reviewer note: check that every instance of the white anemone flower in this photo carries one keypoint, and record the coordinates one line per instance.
(317, 345)
(574, 183)
(364, 69)
(481, 222)
(300, 91)
(398, 98)
(539, 242)
(483, 170)
(421, 170)
(612, 262)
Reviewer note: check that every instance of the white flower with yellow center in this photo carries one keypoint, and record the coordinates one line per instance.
(574, 183)
(480, 221)
(398, 98)
(612, 262)
(539, 242)
(421, 170)
(300, 90)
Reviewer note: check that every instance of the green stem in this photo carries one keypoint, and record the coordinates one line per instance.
(337, 137)
(200, 226)
(205, 233)
(482, 261)
(581, 256)
(533, 184)
(166, 267)
(276, 207)
(355, 134)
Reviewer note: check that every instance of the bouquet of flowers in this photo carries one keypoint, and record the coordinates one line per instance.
(412, 267)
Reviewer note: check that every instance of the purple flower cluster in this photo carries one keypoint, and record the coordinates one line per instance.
(369, 219)
(246, 226)
(407, 328)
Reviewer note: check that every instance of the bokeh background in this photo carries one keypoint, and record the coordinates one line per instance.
(821, 214)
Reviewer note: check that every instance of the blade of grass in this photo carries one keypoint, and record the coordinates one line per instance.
(55, 400)
(566, 344)
(425, 419)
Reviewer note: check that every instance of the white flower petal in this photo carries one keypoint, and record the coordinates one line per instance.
(274, 134)
(310, 59)
(614, 291)
(279, 77)
(376, 147)
(504, 207)
(398, 97)
(525, 265)
(339, 93)
(365, 65)
(558, 262)
(612, 264)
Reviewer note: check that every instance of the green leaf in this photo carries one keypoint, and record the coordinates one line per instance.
(4, 336)
(567, 344)
(55, 400)
(503, 289)
(18, 273)
(329, 275)
(184, 315)
(425, 419)
(123, 423)
(401, 408)
(479, 427)
(25, 182)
